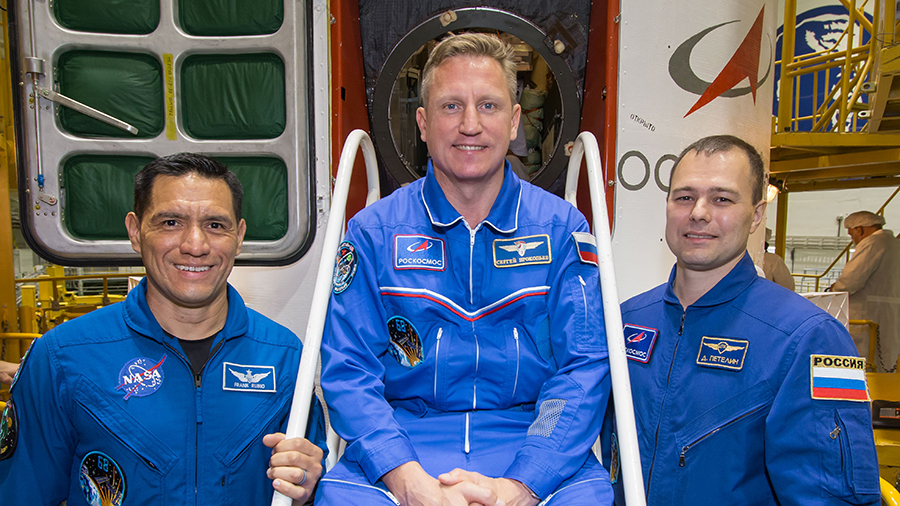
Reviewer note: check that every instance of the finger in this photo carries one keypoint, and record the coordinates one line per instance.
(290, 488)
(451, 478)
(271, 440)
(479, 494)
(297, 444)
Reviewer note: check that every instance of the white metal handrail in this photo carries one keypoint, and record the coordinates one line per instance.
(334, 231)
(585, 147)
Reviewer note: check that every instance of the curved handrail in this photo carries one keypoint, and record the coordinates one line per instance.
(629, 455)
(334, 231)
(889, 494)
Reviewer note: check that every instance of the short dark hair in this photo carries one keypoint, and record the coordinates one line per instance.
(182, 164)
(722, 143)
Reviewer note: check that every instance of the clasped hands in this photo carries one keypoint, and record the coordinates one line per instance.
(412, 486)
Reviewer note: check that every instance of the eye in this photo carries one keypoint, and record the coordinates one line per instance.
(170, 223)
(489, 106)
(451, 107)
(724, 200)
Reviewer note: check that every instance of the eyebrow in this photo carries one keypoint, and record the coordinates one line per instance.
(715, 189)
(173, 215)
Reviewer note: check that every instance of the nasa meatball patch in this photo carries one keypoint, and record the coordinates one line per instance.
(639, 342)
(723, 353)
(102, 481)
(838, 378)
(519, 251)
(141, 377)
(9, 431)
(344, 267)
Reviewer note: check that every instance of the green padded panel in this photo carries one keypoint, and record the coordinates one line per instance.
(127, 86)
(265, 205)
(99, 193)
(230, 17)
(137, 17)
(235, 96)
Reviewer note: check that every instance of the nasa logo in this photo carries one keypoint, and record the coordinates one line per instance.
(141, 377)
(722, 353)
(405, 345)
(744, 64)
(418, 252)
(9, 431)
(248, 378)
(639, 342)
(344, 267)
(519, 251)
(102, 480)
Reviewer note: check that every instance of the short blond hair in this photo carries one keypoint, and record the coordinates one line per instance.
(472, 45)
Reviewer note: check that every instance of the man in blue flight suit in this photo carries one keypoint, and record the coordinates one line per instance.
(464, 358)
(744, 392)
(174, 395)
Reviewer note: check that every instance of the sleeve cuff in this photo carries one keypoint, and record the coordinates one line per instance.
(377, 461)
(534, 474)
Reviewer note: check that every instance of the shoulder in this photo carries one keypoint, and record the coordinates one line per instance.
(263, 329)
(405, 201)
(644, 300)
(779, 308)
(102, 325)
(540, 207)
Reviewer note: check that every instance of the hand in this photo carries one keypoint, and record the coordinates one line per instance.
(512, 492)
(7, 372)
(412, 486)
(295, 466)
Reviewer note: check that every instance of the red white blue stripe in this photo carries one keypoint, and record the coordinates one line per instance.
(839, 383)
(587, 247)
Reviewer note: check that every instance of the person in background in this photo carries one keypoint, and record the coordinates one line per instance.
(175, 395)
(774, 267)
(744, 393)
(872, 278)
(7, 372)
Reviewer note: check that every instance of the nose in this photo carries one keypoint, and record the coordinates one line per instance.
(701, 210)
(195, 242)
(471, 121)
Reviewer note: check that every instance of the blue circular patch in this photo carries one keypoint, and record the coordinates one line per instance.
(405, 346)
(344, 267)
(101, 479)
(9, 431)
(141, 377)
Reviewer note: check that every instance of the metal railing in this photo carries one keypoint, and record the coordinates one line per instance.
(844, 72)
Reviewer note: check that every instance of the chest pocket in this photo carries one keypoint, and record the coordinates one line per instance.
(844, 448)
(142, 457)
(239, 442)
(733, 427)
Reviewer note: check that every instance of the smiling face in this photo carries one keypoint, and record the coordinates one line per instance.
(187, 239)
(710, 212)
(468, 120)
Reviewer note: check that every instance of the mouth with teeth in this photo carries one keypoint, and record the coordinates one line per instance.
(464, 147)
(191, 268)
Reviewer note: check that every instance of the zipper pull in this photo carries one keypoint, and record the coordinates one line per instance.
(197, 378)
(582, 281)
(835, 432)
(681, 458)
(680, 330)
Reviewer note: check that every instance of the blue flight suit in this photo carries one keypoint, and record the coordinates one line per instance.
(479, 348)
(109, 410)
(724, 404)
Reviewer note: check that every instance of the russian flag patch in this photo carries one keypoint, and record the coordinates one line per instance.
(587, 247)
(838, 378)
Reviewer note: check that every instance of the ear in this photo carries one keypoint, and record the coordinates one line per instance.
(133, 225)
(242, 229)
(516, 116)
(758, 212)
(420, 120)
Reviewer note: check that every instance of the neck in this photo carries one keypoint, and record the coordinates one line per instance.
(472, 199)
(690, 284)
(188, 323)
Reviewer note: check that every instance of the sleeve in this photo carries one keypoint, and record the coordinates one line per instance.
(821, 450)
(44, 439)
(858, 270)
(352, 372)
(571, 405)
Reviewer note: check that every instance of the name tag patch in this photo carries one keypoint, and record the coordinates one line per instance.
(838, 378)
(722, 352)
(141, 377)
(639, 342)
(419, 252)
(248, 378)
(587, 247)
(527, 250)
